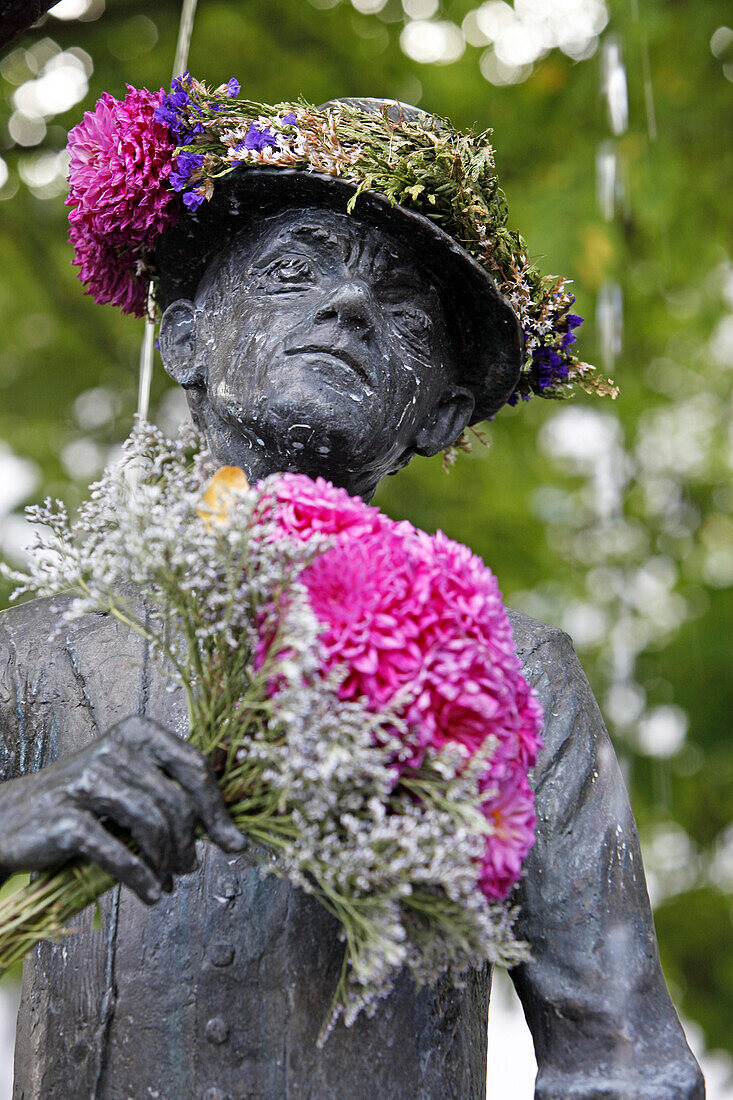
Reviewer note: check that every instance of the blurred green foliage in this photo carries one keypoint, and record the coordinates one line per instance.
(665, 249)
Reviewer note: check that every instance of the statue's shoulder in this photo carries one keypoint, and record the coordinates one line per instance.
(551, 665)
(574, 730)
(534, 638)
(40, 678)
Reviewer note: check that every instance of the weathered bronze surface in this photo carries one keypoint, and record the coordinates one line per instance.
(330, 344)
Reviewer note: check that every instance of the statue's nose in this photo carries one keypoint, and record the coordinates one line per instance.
(350, 306)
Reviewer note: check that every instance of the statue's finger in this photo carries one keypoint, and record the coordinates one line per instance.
(86, 836)
(128, 804)
(180, 814)
(198, 780)
(195, 774)
(188, 767)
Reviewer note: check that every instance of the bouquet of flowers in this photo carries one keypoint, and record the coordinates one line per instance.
(354, 682)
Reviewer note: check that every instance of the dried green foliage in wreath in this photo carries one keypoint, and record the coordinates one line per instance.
(196, 135)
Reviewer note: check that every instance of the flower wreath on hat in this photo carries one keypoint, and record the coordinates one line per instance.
(139, 164)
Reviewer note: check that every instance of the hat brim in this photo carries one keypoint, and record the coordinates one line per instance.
(486, 331)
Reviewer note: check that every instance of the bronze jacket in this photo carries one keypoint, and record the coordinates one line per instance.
(219, 990)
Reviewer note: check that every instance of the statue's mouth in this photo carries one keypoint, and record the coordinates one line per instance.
(329, 354)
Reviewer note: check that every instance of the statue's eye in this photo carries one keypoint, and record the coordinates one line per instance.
(290, 272)
(406, 303)
(412, 318)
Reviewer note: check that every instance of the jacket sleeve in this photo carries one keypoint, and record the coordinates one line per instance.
(593, 993)
(11, 755)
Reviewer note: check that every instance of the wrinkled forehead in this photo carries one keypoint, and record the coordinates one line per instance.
(336, 240)
(339, 237)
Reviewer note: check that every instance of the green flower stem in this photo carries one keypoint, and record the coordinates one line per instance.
(42, 909)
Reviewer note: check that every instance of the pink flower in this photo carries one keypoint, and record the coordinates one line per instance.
(511, 813)
(109, 276)
(419, 617)
(303, 507)
(121, 201)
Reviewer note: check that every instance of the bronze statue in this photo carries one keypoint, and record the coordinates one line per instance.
(337, 344)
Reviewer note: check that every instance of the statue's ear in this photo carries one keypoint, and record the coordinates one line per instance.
(180, 346)
(445, 422)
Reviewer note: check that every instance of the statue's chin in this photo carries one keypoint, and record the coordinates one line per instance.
(345, 454)
(319, 436)
(320, 454)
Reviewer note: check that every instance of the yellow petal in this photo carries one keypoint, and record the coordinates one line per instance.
(219, 492)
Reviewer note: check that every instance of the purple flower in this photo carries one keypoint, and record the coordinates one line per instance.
(549, 366)
(178, 99)
(186, 165)
(188, 137)
(189, 162)
(573, 320)
(233, 87)
(192, 200)
(568, 339)
(546, 357)
(178, 82)
(175, 105)
(258, 138)
(167, 115)
(289, 119)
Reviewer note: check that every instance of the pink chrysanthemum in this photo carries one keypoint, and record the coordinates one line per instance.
(304, 507)
(121, 159)
(421, 617)
(511, 813)
(109, 276)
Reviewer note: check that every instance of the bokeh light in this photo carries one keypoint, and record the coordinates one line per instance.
(84, 10)
(62, 83)
(45, 173)
(369, 7)
(432, 42)
(129, 40)
(614, 86)
(519, 35)
(48, 82)
(420, 9)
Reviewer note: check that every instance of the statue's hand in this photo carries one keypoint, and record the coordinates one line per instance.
(137, 780)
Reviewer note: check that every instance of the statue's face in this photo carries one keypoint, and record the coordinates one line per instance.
(320, 344)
